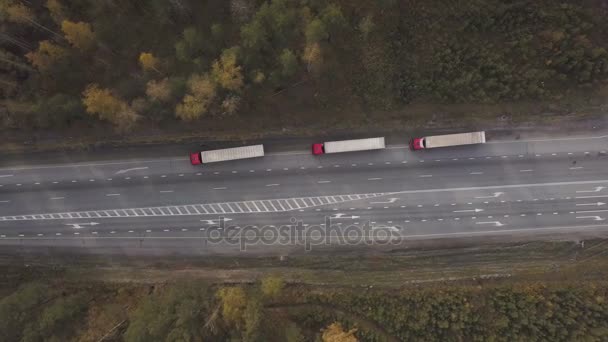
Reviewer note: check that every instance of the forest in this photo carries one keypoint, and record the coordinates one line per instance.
(272, 310)
(129, 64)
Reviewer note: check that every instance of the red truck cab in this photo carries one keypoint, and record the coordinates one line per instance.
(417, 144)
(195, 158)
(317, 149)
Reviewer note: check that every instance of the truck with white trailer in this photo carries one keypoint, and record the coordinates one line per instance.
(448, 140)
(348, 145)
(243, 152)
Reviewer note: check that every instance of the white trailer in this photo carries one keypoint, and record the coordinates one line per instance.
(226, 154)
(351, 145)
(449, 140)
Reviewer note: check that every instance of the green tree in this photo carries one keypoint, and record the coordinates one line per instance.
(231, 104)
(252, 316)
(80, 35)
(289, 63)
(272, 286)
(234, 302)
(316, 31)
(57, 321)
(18, 309)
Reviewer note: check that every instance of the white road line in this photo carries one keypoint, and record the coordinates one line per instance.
(425, 176)
(595, 218)
(57, 198)
(273, 184)
(597, 189)
(527, 170)
(220, 188)
(599, 196)
(323, 181)
(6, 201)
(591, 211)
(110, 195)
(372, 179)
(165, 191)
(576, 168)
(3, 176)
(476, 173)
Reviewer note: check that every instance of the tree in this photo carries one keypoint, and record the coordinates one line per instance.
(56, 10)
(252, 316)
(47, 55)
(148, 62)
(234, 302)
(106, 106)
(313, 57)
(202, 93)
(272, 286)
(289, 63)
(226, 72)
(230, 105)
(159, 90)
(18, 13)
(79, 35)
(335, 333)
(333, 18)
(316, 31)
(366, 26)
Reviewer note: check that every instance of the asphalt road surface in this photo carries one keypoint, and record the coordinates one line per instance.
(293, 200)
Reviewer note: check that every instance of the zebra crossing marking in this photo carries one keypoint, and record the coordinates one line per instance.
(238, 207)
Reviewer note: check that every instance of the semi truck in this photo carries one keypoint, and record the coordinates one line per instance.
(448, 140)
(226, 154)
(348, 145)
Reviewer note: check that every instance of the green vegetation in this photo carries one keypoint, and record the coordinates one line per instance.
(552, 291)
(197, 311)
(68, 63)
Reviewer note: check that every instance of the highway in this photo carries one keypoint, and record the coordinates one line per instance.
(157, 206)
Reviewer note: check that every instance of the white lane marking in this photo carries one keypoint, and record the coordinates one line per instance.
(57, 198)
(323, 181)
(595, 204)
(80, 225)
(200, 174)
(235, 172)
(468, 210)
(181, 175)
(494, 195)
(597, 189)
(5, 201)
(476, 173)
(22, 184)
(163, 176)
(372, 179)
(591, 211)
(526, 170)
(600, 196)
(495, 223)
(249, 171)
(390, 200)
(595, 218)
(165, 191)
(220, 188)
(110, 195)
(3, 176)
(120, 172)
(273, 184)
(576, 168)
(425, 176)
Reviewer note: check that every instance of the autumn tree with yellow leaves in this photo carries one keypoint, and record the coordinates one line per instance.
(102, 103)
(80, 35)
